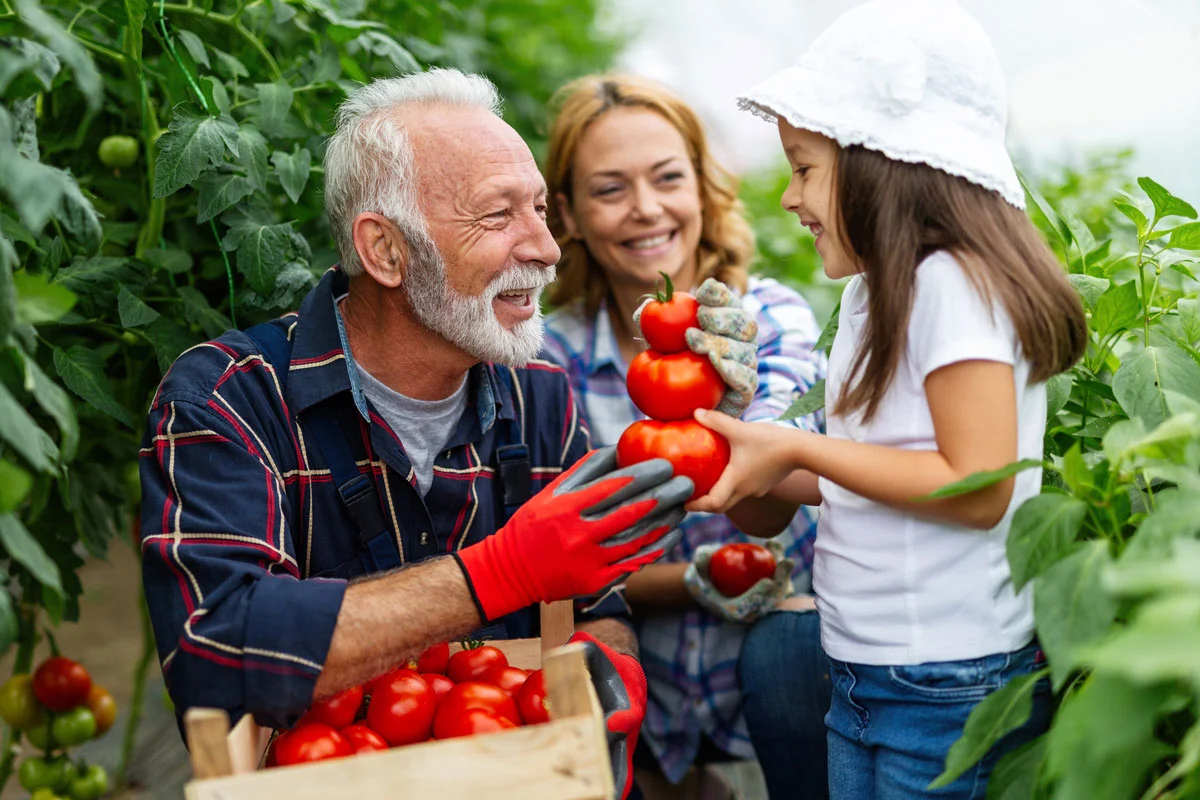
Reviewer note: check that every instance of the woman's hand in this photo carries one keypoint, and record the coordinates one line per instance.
(760, 598)
(761, 455)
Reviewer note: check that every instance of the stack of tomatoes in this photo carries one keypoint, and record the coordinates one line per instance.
(57, 708)
(438, 696)
(667, 383)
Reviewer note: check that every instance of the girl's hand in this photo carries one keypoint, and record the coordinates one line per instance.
(761, 455)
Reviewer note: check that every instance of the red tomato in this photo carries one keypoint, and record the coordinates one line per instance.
(471, 722)
(433, 659)
(692, 449)
(668, 386)
(531, 699)
(473, 695)
(665, 319)
(313, 741)
(337, 711)
(60, 684)
(440, 683)
(507, 678)
(363, 739)
(469, 665)
(402, 707)
(734, 568)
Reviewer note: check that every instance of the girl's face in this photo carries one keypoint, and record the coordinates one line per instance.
(810, 195)
(636, 199)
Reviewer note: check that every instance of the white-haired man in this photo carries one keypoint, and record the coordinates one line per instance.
(398, 419)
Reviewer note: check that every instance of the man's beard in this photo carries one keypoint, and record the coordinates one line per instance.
(470, 323)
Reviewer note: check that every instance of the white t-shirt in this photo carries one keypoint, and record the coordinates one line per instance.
(894, 588)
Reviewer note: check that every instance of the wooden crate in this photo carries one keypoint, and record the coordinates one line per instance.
(564, 759)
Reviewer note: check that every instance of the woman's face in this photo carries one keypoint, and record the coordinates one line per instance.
(636, 199)
(810, 195)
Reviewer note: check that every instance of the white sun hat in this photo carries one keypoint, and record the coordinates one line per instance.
(916, 80)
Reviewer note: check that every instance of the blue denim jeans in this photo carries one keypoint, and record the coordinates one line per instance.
(784, 677)
(891, 727)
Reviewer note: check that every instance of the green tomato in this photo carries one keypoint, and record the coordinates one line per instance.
(36, 772)
(90, 785)
(18, 705)
(73, 727)
(45, 794)
(118, 152)
(39, 735)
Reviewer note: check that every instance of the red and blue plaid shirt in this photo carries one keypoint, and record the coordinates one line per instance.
(246, 544)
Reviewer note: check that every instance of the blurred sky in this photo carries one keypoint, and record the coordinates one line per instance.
(1081, 74)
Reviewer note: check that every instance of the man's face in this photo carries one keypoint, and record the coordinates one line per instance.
(485, 205)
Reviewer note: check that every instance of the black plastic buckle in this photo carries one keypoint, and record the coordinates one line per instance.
(359, 497)
(516, 474)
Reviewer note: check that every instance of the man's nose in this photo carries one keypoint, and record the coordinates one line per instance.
(538, 245)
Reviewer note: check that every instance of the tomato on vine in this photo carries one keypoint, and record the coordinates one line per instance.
(472, 662)
(19, 707)
(118, 152)
(103, 707)
(73, 727)
(60, 684)
(90, 785)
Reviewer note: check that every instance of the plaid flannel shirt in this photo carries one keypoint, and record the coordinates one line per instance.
(246, 544)
(691, 658)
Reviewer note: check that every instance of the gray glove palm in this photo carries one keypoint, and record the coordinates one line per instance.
(751, 604)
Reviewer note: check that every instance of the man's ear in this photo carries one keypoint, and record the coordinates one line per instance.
(567, 215)
(381, 249)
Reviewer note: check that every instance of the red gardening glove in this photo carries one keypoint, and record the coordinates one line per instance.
(589, 529)
(621, 689)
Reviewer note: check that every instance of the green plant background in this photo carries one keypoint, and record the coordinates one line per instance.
(108, 273)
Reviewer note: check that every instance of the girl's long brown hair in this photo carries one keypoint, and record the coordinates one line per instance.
(726, 239)
(893, 214)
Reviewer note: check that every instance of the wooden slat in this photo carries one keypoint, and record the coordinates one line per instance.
(207, 729)
(570, 695)
(558, 624)
(247, 744)
(555, 761)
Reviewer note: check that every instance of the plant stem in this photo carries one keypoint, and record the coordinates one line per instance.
(101, 50)
(26, 643)
(137, 701)
(235, 24)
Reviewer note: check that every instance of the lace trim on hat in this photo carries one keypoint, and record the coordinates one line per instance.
(760, 107)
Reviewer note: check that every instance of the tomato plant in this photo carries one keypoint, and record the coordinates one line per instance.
(337, 711)
(736, 567)
(402, 707)
(363, 739)
(61, 684)
(671, 386)
(531, 699)
(313, 741)
(666, 317)
(692, 449)
(471, 663)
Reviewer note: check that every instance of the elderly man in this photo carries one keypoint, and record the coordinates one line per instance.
(329, 493)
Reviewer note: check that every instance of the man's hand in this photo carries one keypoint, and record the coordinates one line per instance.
(590, 529)
(620, 687)
(750, 604)
(728, 336)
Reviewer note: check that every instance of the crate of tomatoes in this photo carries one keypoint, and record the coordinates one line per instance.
(516, 718)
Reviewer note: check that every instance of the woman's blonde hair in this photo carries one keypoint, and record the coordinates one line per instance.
(726, 239)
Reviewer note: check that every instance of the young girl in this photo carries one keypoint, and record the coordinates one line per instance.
(954, 317)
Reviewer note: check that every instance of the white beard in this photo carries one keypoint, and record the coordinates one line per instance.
(470, 323)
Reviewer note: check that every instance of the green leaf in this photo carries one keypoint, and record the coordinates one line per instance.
(9, 629)
(1075, 471)
(97, 278)
(998, 714)
(253, 149)
(1185, 237)
(1165, 203)
(386, 47)
(262, 250)
(85, 373)
(1117, 309)
(26, 437)
(198, 312)
(24, 118)
(189, 145)
(230, 65)
(170, 339)
(25, 550)
(195, 47)
(1089, 287)
(16, 231)
(218, 192)
(811, 401)
(173, 261)
(1043, 529)
(57, 403)
(292, 170)
(825, 340)
(1016, 775)
(1072, 608)
(980, 480)
(1058, 392)
(26, 55)
(1135, 215)
(79, 217)
(15, 484)
(1140, 381)
(39, 301)
(274, 102)
(1176, 516)
(134, 313)
(135, 12)
(8, 292)
(67, 48)
(215, 94)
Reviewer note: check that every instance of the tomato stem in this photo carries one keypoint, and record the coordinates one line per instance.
(665, 295)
